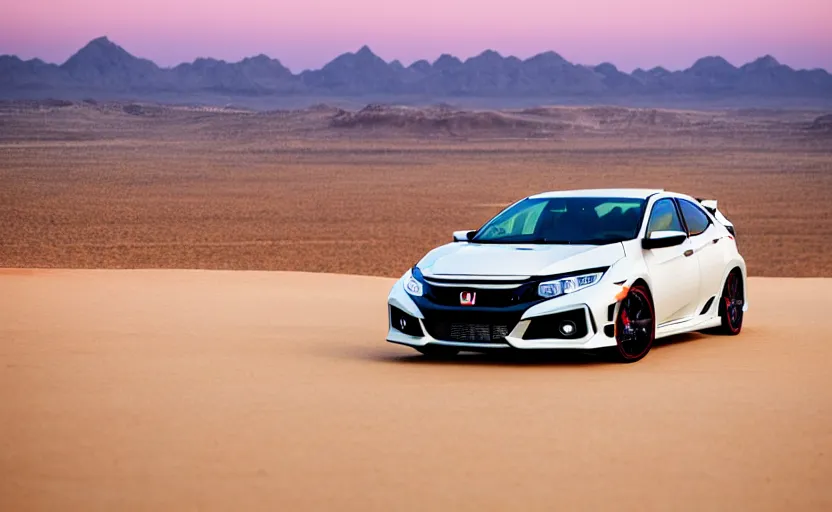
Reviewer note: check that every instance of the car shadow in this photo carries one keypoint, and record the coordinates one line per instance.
(498, 358)
(679, 339)
(509, 357)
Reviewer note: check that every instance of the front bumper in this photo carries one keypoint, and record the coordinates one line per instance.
(597, 305)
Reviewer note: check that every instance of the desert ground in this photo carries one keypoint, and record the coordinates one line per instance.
(178, 329)
(219, 390)
(369, 192)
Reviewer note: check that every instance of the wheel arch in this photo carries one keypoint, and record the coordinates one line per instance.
(738, 265)
(641, 281)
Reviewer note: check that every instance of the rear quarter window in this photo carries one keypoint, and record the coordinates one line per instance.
(695, 218)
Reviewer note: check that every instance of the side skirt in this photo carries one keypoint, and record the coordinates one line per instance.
(694, 324)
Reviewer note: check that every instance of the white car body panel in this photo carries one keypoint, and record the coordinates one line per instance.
(675, 281)
(473, 259)
(682, 279)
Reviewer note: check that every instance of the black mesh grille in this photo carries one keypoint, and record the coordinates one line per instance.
(471, 327)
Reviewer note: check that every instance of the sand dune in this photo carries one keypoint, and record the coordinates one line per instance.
(178, 390)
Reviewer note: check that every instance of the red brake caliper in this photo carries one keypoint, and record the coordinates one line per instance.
(625, 321)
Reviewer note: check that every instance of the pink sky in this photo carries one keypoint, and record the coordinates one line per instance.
(308, 33)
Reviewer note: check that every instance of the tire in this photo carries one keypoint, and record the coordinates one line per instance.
(731, 303)
(635, 326)
(438, 351)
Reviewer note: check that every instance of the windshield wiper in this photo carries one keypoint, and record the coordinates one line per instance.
(505, 240)
(532, 241)
(552, 241)
(599, 241)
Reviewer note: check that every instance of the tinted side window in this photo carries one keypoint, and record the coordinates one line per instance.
(663, 217)
(695, 218)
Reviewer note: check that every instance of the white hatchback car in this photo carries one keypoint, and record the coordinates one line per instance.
(584, 269)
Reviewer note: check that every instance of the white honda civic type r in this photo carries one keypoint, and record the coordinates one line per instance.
(584, 269)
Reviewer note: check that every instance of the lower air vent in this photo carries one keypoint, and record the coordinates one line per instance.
(405, 323)
(707, 306)
(569, 325)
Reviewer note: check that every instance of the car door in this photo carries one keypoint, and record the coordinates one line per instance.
(705, 239)
(674, 273)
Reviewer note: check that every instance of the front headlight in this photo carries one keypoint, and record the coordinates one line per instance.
(559, 287)
(412, 285)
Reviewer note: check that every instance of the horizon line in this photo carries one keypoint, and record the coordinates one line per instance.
(105, 38)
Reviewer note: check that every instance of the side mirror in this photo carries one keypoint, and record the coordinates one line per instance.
(463, 236)
(660, 239)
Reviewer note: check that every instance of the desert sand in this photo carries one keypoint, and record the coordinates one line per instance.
(220, 390)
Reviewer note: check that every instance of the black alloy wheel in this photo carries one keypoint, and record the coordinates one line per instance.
(731, 304)
(635, 326)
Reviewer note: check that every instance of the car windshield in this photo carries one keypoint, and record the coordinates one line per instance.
(565, 220)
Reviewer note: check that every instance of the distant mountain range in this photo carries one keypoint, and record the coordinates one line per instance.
(103, 67)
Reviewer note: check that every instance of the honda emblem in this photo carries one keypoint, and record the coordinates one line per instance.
(467, 298)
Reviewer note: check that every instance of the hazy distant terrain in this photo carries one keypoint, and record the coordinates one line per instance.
(104, 70)
(95, 120)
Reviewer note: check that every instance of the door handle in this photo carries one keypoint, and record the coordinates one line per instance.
(689, 252)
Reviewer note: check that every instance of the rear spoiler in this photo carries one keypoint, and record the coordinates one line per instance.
(710, 205)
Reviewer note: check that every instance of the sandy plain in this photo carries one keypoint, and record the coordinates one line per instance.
(220, 390)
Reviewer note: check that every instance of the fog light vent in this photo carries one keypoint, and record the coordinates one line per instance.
(405, 323)
(566, 325)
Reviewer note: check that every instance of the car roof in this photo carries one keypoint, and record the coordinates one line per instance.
(628, 193)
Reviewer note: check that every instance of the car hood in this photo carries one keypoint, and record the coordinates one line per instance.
(461, 258)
